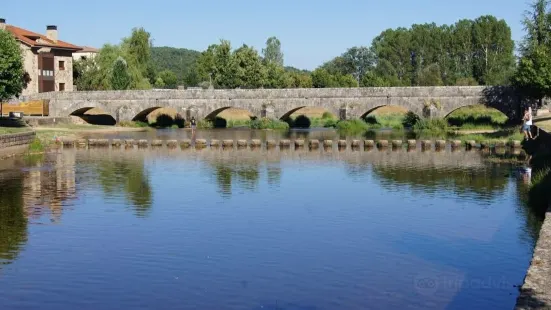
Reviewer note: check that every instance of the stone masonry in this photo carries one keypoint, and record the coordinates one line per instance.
(345, 103)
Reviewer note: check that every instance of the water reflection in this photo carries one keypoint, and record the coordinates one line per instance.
(124, 176)
(485, 182)
(13, 222)
(333, 223)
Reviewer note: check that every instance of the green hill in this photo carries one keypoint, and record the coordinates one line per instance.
(178, 60)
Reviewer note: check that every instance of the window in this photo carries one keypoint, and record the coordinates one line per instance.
(61, 86)
(61, 65)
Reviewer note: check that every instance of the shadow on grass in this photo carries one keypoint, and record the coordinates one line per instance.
(167, 121)
(12, 122)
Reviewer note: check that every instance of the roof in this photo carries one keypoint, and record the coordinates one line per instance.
(34, 39)
(88, 49)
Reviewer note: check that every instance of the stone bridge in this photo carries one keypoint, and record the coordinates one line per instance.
(346, 103)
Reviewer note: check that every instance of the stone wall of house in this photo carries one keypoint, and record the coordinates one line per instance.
(30, 62)
(63, 76)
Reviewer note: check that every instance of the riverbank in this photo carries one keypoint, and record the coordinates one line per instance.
(536, 291)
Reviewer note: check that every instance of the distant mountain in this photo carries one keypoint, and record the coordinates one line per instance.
(177, 60)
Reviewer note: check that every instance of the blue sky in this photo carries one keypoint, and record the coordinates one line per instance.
(311, 31)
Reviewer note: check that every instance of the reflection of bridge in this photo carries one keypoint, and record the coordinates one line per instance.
(388, 157)
(279, 103)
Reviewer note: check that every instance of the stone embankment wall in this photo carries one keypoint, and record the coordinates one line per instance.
(16, 139)
(277, 103)
(11, 144)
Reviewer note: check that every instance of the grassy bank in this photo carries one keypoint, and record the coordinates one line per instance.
(477, 117)
(262, 123)
(8, 130)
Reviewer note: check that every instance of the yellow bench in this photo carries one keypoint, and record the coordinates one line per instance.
(36, 108)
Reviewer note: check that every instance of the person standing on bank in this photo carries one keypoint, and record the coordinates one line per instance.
(527, 126)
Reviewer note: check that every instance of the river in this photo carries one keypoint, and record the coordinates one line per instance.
(261, 229)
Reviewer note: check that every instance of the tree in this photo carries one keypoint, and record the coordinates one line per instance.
(493, 52)
(11, 68)
(137, 48)
(272, 53)
(321, 78)
(430, 76)
(169, 78)
(250, 73)
(384, 75)
(537, 23)
(276, 77)
(533, 74)
(159, 83)
(300, 80)
(356, 61)
(120, 77)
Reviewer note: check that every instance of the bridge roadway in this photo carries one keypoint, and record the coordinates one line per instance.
(346, 103)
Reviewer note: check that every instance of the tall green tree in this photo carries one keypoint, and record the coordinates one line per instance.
(461, 49)
(394, 46)
(277, 77)
(356, 61)
(533, 74)
(272, 53)
(250, 73)
(120, 77)
(137, 48)
(12, 71)
(493, 46)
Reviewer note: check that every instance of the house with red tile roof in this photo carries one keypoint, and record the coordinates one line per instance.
(47, 60)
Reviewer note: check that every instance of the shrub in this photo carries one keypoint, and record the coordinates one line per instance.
(410, 119)
(301, 122)
(435, 125)
(204, 124)
(267, 123)
(352, 126)
(327, 115)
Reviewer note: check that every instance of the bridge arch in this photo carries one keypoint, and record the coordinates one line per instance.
(309, 116)
(477, 114)
(160, 117)
(94, 116)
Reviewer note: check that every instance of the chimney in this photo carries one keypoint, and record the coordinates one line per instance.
(2, 24)
(51, 33)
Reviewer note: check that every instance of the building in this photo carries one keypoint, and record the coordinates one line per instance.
(86, 53)
(47, 60)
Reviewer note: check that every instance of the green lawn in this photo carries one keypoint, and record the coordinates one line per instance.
(7, 130)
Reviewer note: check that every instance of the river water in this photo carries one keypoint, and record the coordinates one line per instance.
(262, 229)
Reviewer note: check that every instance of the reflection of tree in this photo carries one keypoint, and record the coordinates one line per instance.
(13, 223)
(245, 175)
(486, 183)
(274, 175)
(130, 178)
(533, 218)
